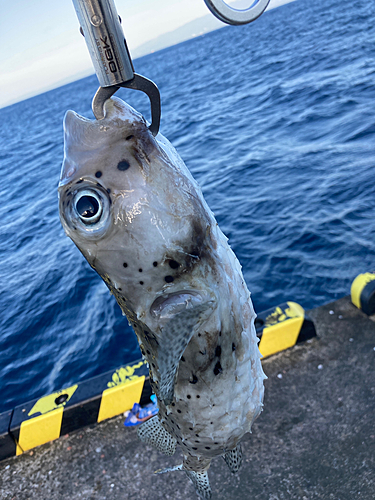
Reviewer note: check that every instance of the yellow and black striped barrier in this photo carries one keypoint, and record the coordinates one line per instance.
(45, 419)
(282, 327)
(363, 293)
(87, 403)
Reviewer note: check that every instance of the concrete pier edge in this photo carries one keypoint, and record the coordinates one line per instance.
(314, 440)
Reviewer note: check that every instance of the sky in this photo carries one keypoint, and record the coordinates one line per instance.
(41, 47)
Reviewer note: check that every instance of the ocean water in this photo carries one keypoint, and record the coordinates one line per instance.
(275, 120)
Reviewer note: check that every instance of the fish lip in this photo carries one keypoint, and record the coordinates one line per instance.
(168, 305)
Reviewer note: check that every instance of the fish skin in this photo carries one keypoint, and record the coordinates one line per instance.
(159, 250)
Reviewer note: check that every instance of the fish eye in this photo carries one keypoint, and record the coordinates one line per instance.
(88, 206)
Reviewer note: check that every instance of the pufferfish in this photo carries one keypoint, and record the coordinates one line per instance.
(133, 209)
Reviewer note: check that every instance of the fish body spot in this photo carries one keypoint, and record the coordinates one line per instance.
(173, 264)
(218, 369)
(123, 165)
(169, 279)
(194, 379)
(98, 174)
(218, 351)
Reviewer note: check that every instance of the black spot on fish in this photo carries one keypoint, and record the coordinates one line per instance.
(233, 347)
(155, 264)
(169, 279)
(129, 137)
(153, 365)
(193, 448)
(125, 264)
(178, 411)
(198, 396)
(148, 352)
(197, 435)
(109, 190)
(196, 441)
(182, 358)
(98, 174)
(207, 447)
(203, 353)
(199, 335)
(173, 264)
(218, 351)
(140, 270)
(218, 369)
(123, 165)
(173, 404)
(195, 379)
(190, 428)
(188, 396)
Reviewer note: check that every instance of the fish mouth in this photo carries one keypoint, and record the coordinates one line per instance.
(167, 306)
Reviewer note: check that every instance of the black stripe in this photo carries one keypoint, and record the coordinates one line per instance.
(367, 298)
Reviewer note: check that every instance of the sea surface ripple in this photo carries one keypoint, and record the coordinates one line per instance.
(275, 120)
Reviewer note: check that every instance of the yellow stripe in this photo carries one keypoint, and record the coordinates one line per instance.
(39, 430)
(120, 398)
(51, 402)
(284, 334)
(358, 285)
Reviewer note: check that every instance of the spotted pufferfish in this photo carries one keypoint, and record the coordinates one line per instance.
(133, 209)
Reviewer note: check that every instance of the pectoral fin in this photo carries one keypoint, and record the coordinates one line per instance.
(176, 335)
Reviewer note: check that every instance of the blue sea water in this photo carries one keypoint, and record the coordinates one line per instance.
(275, 120)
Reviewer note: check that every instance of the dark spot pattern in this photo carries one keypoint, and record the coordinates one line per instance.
(141, 283)
(218, 369)
(194, 379)
(233, 347)
(169, 279)
(188, 396)
(140, 270)
(173, 264)
(182, 359)
(129, 137)
(125, 264)
(123, 165)
(155, 264)
(218, 351)
(98, 174)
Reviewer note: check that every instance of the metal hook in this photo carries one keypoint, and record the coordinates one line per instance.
(138, 83)
(230, 15)
(109, 53)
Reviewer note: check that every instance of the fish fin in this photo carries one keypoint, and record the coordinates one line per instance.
(201, 483)
(233, 459)
(176, 335)
(153, 433)
(169, 469)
